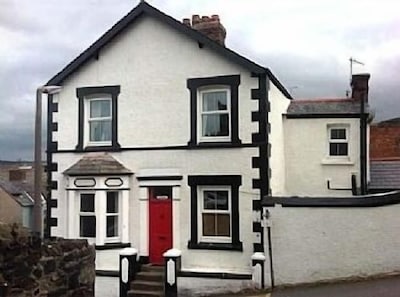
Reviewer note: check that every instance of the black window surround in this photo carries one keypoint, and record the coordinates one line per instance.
(230, 81)
(81, 93)
(215, 180)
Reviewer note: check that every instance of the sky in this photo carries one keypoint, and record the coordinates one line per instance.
(307, 45)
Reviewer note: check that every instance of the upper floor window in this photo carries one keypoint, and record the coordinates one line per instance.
(97, 121)
(214, 114)
(214, 123)
(338, 141)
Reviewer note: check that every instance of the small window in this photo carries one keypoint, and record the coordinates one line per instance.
(87, 217)
(99, 120)
(338, 142)
(112, 214)
(214, 114)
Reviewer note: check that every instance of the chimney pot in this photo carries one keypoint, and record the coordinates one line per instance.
(186, 22)
(215, 17)
(359, 86)
(195, 19)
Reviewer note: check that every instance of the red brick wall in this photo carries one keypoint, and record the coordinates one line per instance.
(384, 141)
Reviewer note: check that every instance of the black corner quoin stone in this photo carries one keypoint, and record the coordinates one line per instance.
(231, 81)
(81, 93)
(215, 180)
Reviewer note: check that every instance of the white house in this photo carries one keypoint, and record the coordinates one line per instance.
(163, 137)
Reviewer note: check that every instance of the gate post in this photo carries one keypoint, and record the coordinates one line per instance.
(127, 268)
(172, 259)
(257, 262)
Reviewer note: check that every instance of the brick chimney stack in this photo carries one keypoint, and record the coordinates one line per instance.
(359, 86)
(209, 26)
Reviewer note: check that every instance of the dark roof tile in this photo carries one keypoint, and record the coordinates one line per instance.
(97, 164)
(324, 106)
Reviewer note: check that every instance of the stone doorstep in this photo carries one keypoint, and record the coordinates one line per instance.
(145, 293)
(143, 285)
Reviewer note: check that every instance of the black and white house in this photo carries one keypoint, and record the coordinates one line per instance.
(161, 137)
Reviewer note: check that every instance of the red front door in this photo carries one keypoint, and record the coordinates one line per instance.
(160, 222)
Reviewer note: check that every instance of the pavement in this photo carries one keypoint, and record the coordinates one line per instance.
(384, 287)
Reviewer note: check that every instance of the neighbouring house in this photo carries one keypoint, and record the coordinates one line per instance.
(163, 137)
(17, 192)
(325, 145)
(385, 156)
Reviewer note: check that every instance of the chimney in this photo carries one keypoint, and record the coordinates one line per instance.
(209, 26)
(359, 86)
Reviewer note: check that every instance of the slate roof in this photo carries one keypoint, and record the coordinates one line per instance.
(144, 8)
(97, 164)
(339, 106)
(385, 174)
(20, 191)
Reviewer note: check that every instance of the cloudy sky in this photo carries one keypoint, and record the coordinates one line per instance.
(307, 44)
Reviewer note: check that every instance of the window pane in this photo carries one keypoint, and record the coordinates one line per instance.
(100, 108)
(338, 133)
(223, 224)
(338, 149)
(87, 202)
(112, 202)
(215, 101)
(215, 124)
(112, 226)
(216, 224)
(209, 224)
(87, 226)
(100, 130)
(216, 200)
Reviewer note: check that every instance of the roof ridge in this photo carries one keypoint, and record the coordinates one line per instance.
(323, 100)
(144, 7)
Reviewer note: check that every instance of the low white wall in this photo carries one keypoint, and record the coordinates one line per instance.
(312, 244)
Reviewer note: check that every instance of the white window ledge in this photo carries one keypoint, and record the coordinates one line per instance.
(337, 161)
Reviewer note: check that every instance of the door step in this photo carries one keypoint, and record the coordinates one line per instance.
(149, 282)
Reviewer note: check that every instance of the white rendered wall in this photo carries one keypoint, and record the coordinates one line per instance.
(308, 166)
(318, 244)
(189, 162)
(279, 104)
(151, 62)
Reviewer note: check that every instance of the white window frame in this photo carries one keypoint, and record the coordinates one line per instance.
(118, 214)
(200, 114)
(201, 210)
(86, 214)
(88, 119)
(346, 140)
(100, 213)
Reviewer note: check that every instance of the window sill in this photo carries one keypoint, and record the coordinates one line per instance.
(222, 144)
(237, 246)
(101, 148)
(337, 161)
(110, 246)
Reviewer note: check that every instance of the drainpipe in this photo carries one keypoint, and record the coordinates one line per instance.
(363, 147)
